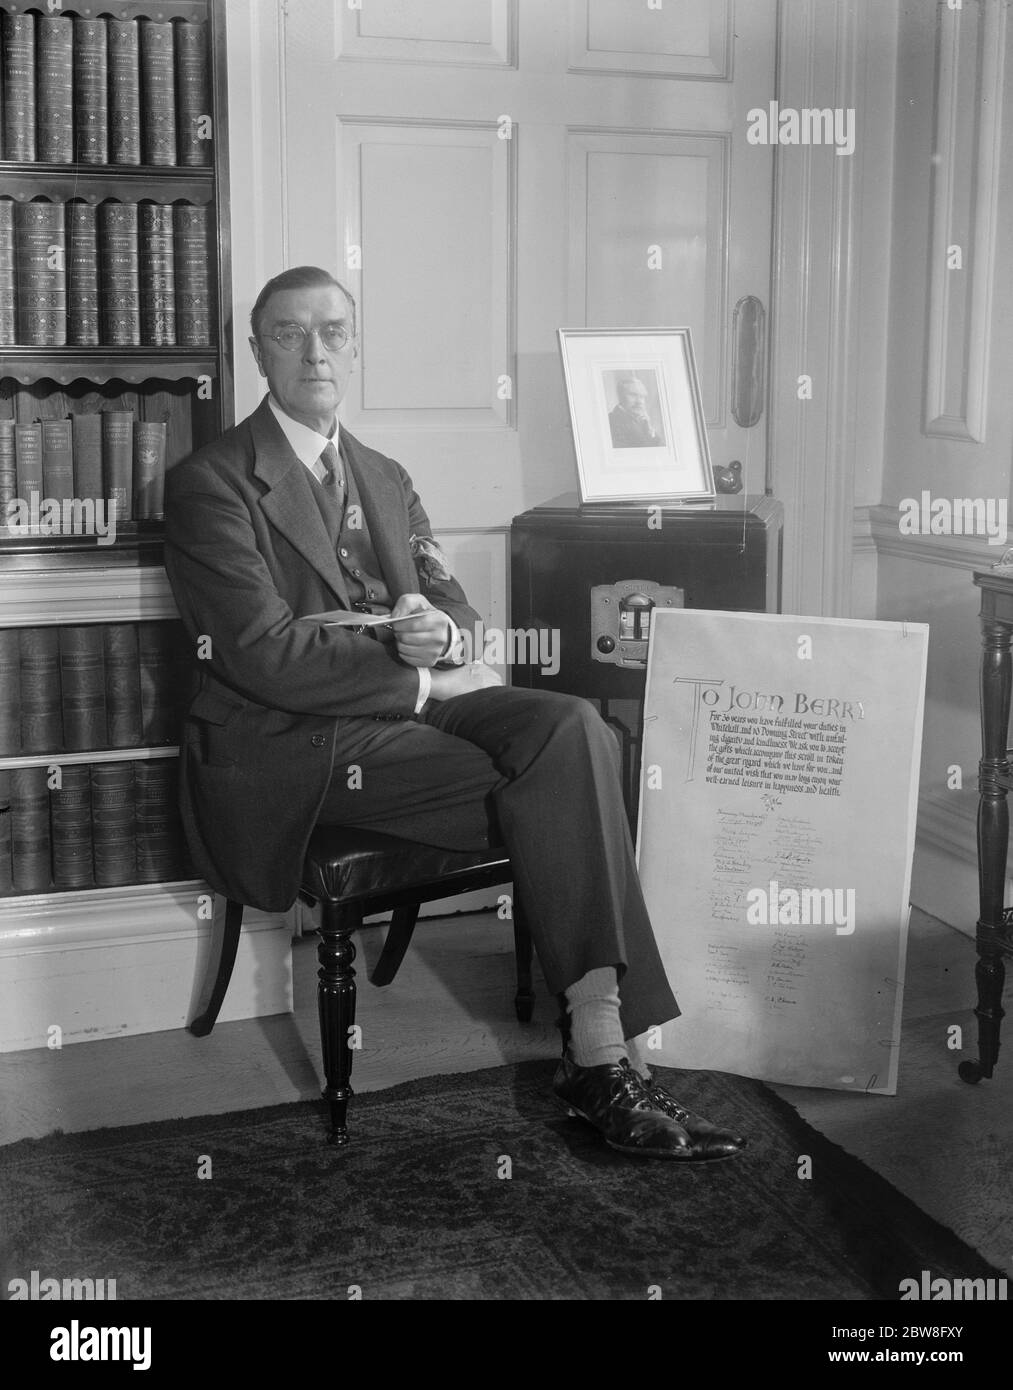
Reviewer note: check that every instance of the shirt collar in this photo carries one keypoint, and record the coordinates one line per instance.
(307, 444)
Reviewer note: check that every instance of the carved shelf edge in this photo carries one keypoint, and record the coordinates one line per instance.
(118, 9)
(102, 364)
(93, 183)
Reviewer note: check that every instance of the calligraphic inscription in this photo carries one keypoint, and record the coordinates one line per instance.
(777, 819)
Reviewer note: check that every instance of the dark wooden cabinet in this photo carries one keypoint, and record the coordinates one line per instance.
(585, 577)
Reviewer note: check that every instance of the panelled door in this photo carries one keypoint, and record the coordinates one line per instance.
(484, 172)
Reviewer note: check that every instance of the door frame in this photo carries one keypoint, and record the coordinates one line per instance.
(830, 301)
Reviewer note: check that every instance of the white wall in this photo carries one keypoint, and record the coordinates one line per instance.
(929, 579)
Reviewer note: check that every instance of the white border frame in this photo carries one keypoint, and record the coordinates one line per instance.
(678, 470)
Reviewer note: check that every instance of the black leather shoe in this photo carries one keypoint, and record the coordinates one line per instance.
(615, 1100)
(708, 1140)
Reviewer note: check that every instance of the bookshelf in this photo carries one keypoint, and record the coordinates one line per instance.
(115, 312)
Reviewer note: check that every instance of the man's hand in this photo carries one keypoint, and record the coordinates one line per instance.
(462, 680)
(421, 640)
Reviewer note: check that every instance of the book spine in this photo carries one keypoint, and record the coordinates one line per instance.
(82, 275)
(121, 301)
(18, 32)
(193, 94)
(8, 469)
(193, 291)
(112, 818)
(57, 460)
(82, 679)
(10, 692)
(149, 469)
(30, 841)
(40, 260)
(124, 92)
(8, 323)
(28, 456)
(55, 81)
(118, 460)
(123, 685)
(70, 813)
(41, 721)
(158, 92)
(157, 275)
(88, 456)
(158, 662)
(6, 865)
(159, 834)
(91, 91)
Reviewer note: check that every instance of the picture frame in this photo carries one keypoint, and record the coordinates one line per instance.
(637, 416)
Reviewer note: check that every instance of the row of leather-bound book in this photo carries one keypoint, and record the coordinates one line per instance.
(102, 685)
(105, 90)
(116, 274)
(108, 455)
(95, 825)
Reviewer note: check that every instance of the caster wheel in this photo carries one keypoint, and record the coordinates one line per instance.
(970, 1072)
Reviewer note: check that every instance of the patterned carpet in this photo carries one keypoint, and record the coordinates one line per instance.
(416, 1208)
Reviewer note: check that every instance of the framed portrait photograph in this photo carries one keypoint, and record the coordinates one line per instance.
(638, 426)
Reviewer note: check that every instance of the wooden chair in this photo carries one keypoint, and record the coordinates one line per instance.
(354, 873)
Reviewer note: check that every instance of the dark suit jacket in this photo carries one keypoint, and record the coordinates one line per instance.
(628, 433)
(248, 556)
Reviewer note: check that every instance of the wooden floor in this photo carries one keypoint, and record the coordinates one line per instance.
(944, 1144)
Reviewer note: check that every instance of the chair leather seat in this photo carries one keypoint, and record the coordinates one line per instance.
(344, 864)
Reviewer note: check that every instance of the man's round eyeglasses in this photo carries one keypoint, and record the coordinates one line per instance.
(292, 338)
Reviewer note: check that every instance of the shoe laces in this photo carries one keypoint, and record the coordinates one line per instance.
(629, 1084)
(661, 1098)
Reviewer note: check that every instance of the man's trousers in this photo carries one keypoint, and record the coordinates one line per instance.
(535, 772)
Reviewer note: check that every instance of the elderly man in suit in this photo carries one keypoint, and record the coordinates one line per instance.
(629, 421)
(287, 516)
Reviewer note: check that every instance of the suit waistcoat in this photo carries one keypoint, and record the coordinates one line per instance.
(345, 520)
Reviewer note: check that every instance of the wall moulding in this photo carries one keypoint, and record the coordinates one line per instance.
(970, 47)
(882, 522)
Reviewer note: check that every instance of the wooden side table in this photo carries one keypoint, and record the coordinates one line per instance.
(571, 565)
(994, 937)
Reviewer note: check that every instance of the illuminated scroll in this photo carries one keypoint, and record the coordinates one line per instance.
(777, 819)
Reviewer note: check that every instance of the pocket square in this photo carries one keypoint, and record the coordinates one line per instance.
(430, 561)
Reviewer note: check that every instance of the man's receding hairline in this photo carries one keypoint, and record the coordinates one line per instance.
(302, 278)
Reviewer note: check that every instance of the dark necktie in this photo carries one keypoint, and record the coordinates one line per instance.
(327, 469)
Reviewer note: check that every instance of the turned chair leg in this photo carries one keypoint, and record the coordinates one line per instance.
(225, 929)
(990, 974)
(396, 943)
(336, 1005)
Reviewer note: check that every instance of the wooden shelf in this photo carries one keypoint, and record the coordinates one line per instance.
(94, 755)
(94, 183)
(62, 580)
(135, 365)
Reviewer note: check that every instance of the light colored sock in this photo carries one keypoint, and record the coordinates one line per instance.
(596, 1034)
(638, 1058)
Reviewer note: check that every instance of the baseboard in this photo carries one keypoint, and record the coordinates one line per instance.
(944, 882)
(80, 966)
